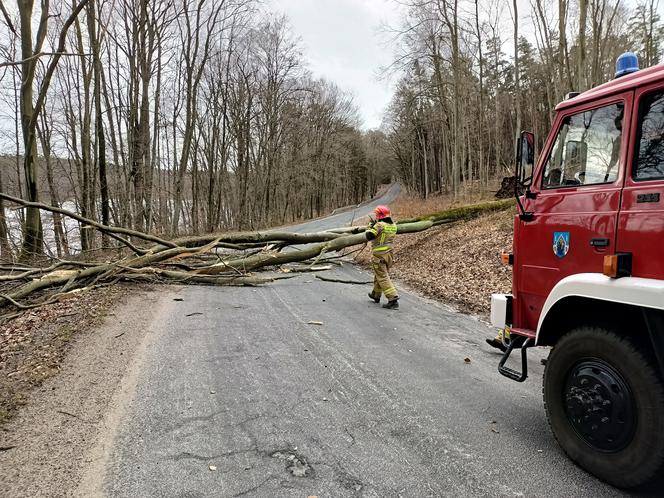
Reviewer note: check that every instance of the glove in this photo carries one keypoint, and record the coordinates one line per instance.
(369, 233)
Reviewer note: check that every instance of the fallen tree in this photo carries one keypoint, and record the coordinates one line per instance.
(211, 259)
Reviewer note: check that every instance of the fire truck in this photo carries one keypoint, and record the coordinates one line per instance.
(588, 274)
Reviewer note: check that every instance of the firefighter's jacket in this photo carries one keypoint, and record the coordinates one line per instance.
(381, 234)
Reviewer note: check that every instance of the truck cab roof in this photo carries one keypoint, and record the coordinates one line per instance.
(637, 79)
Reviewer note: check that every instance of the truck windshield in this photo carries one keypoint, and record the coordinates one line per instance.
(586, 150)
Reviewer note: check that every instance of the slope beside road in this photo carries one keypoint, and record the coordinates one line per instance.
(300, 388)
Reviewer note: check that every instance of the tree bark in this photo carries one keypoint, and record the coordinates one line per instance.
(32, 230)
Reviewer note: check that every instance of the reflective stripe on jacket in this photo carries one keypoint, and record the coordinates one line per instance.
(384, 234)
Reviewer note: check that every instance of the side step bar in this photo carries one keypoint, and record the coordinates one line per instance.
(509, 372)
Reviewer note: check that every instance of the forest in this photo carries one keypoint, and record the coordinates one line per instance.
(178, 118)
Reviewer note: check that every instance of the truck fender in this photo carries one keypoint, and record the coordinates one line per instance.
(634, 291)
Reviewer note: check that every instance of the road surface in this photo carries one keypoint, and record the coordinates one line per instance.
(239, 394)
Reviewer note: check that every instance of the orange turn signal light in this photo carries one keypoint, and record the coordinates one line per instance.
(617, 265)
(611, 265)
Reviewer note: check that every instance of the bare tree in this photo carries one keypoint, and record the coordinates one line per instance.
(33, 235)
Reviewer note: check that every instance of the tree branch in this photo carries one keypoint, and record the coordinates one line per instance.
(40, 54)
(7, 19)
(87, 221)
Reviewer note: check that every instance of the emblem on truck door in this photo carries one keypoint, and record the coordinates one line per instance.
(560, 244)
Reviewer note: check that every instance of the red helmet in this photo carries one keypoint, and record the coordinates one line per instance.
(382, 212)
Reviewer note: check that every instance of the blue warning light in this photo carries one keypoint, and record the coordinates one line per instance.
(627, 63)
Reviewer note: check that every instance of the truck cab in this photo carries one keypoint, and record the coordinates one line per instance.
(588, 274)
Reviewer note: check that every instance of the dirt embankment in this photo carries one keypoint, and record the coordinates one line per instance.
(459, 264)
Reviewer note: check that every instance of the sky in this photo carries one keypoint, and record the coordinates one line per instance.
(343, 43)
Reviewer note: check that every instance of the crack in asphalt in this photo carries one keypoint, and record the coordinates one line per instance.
(257, 487)
(190, 420)
(208, 418)
(187, 455)
(352, 438)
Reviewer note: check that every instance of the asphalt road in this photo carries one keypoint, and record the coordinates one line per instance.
(369, 403)
(346, 216)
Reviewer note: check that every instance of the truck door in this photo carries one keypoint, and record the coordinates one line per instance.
(641, 219)
(575, 201)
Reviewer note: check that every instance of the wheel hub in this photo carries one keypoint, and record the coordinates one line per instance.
(599, 405)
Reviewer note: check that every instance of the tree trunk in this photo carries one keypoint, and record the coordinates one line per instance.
(517, 76)
(484, 176)
(99, 123)
(6, 253)
(32, 233)
(581, 59)
(61, 243)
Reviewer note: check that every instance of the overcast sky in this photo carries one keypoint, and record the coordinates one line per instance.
(342, 42)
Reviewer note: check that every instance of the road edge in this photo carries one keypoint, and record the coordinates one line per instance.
(61, 436)
(98, 456)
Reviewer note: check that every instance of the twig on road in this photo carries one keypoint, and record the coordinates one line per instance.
(343, 281)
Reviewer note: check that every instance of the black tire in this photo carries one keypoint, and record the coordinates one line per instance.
(605, 404)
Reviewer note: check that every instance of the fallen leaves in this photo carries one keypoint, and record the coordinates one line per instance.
(33, 345)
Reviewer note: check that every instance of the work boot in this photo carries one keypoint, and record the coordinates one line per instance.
(376, 299)
(392, 304)
(496, 344)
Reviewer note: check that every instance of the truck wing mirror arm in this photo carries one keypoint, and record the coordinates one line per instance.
(523, 172)
(523, 214)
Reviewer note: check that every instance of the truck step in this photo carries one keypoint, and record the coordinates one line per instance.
(509, 372)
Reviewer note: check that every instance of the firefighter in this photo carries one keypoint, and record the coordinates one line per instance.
(381, 233)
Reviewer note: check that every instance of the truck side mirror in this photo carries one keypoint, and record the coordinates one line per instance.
(525, 158)
(525, 161)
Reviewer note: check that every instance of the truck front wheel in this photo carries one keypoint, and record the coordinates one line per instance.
(605, 404)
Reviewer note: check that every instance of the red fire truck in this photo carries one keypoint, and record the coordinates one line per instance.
(588, 279)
